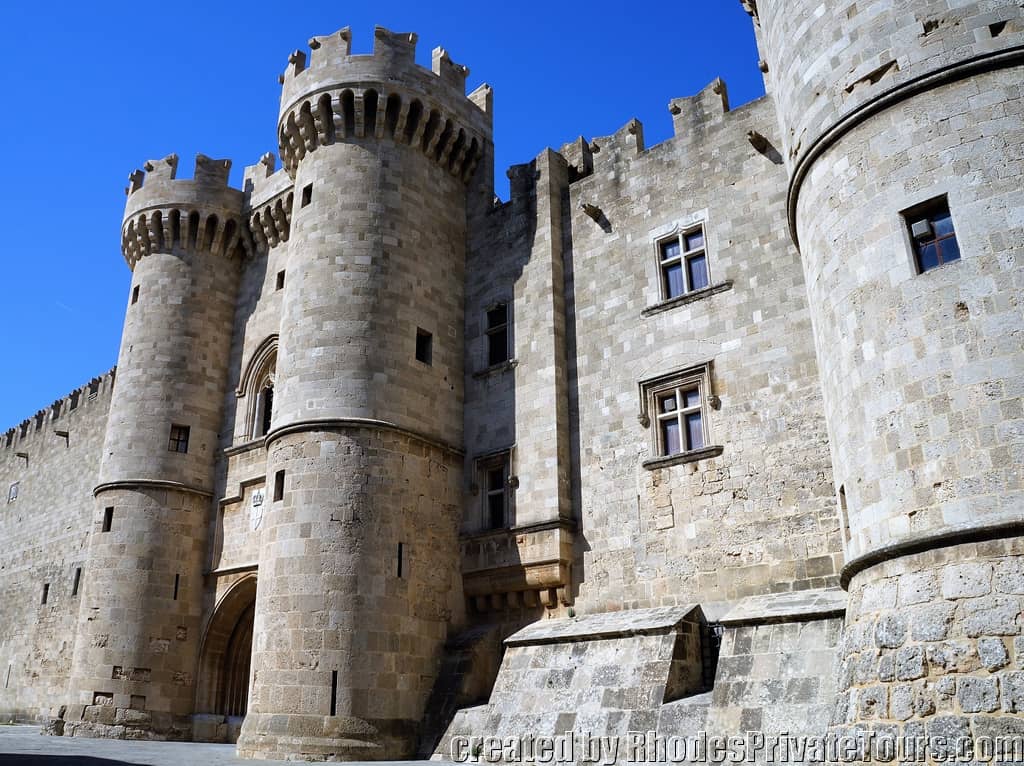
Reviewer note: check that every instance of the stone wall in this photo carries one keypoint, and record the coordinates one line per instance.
(934, 645)
(45, 533)
(761, 516)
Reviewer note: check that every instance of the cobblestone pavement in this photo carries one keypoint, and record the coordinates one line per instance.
(23, 746)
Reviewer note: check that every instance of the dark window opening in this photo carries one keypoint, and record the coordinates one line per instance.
(135, 295)
(401, 551)
(75, 583)
(497, 335)
(178, 441)
(307, 194)
(334, 692)
(424, 346)
(279, 486)
(46, 592)
(280, 280)
(177, 585)
(844, 513)
(931, 231)
(108, 519)
(266, 410)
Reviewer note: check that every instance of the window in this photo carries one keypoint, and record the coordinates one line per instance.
(108, 519)
(46, 592)
(12, 492)
(684, 263)
(307, 194)
(680, 420)
(675, 409)
(932, 234)
(280, 280)
(495, 490)
(179, 439)
(279, 486)
(264, 409)
(135, 295)
(497, 335)
(76, 582)
(424, 346)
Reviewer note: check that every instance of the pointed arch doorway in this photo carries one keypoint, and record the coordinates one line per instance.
(222, 694)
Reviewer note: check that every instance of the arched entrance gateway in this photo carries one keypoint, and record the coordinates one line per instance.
(222, 692)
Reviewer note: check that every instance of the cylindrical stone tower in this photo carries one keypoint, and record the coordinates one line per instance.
(138, 634)
(359, 570)
(902, 123)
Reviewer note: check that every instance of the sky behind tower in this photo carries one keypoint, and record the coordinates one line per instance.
(95, 89)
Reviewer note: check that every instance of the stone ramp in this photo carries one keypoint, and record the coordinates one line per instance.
(605, 675)
(625, 674)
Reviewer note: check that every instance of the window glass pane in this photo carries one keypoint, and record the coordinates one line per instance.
(695, 240)
(497, 316)
(950, 249)
(694, 431)
(674, 280)
(495, 479)
(928, 256)
(497, 347)
(943, 224)
(698, 266)
(670, 444)
(670, 250)
(668, 404)
(496, 511)
(691, 398)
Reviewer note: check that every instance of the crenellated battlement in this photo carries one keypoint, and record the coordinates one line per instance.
(55, 413)
(333, 96)
(201, 214)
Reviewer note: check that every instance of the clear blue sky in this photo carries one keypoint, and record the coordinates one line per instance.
(92, 90)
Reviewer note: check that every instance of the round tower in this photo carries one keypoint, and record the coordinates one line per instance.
(138, 632)
(903, 129)
(359, 570)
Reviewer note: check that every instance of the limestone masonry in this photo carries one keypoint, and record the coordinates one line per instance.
(721, 435)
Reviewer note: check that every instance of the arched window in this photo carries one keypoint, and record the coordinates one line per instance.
(256, 390)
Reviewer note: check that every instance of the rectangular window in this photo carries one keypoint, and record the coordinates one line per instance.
(424, 346)
(177, 585)
(12, 492)
(76, 582)
(683, 263)
(675, 407)
(495, 490)
(280, 280)
(135, 295)
(279, 486)
(46, 592)
(497, 335)
(932, 234)
(681, 420)
(307, 194)
(108, 519)
(401, 558)
(178, 441)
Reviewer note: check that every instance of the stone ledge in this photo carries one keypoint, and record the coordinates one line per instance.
(687, 298)
(787, 607)
(496, 369)
(605, 625)
(683, 457)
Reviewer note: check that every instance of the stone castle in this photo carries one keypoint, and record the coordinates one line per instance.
(723, 434)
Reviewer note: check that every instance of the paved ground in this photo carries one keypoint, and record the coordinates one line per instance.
(24, 746)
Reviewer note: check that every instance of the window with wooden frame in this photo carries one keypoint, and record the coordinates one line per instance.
(676, 407)
(931, 231)
(178, 440)
(495, 491)
(683, 263)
